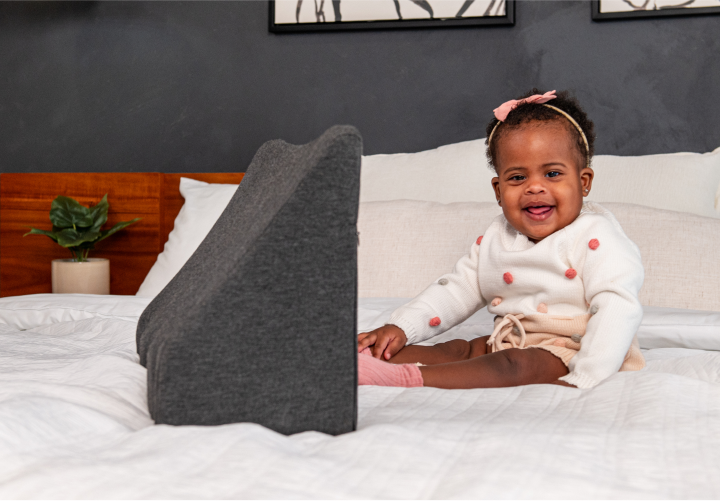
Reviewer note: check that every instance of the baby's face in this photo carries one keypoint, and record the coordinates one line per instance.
(541, 179)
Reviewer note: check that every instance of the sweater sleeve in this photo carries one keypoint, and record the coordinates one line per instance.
(452, 299)
(612, 274)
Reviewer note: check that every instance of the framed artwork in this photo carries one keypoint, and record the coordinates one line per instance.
(331, 15)
(632, 9)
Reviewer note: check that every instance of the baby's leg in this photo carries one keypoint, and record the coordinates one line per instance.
(442, 353)
(513, 367)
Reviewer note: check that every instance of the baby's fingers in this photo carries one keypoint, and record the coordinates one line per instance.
(380, 344)
(366, 339)
(395, 345)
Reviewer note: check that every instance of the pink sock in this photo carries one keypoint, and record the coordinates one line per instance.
(372, 371)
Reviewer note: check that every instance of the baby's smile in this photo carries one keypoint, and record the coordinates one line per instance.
(538, 212)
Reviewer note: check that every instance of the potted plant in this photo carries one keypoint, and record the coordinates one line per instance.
(78, 229)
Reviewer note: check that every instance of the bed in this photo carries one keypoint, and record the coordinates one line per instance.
(74, 421)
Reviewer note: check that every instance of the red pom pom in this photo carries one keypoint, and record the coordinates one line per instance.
(508, 278)
(434, 322)
(594, 244)
(479, 240)
(570, 273)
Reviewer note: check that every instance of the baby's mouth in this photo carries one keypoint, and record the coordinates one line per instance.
(539, 212)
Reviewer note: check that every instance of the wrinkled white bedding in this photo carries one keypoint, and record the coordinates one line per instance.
(74, 424)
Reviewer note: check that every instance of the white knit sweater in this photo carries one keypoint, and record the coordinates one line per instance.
(608, 278)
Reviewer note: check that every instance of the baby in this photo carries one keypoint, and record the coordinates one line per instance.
(560, 275)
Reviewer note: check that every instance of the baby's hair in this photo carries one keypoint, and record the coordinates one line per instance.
(526, 113)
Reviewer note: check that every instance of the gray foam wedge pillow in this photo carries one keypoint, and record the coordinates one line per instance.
(259, 325)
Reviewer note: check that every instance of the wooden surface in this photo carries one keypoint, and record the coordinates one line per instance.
(25, 201)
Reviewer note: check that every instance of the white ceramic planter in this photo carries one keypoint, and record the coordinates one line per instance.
(90, 277)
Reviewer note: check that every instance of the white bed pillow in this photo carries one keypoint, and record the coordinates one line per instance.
(34, 310)
(406, 244)
(679, 328)
(684, 182)
(204, 203)
(456, 172)
(680, 255)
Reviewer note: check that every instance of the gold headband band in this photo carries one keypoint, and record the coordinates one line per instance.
(572, 120)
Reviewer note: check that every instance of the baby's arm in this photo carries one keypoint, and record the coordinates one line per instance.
(448, 301)
(612, 274)
(451, 299)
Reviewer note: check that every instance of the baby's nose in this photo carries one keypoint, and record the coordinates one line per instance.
(536, 187)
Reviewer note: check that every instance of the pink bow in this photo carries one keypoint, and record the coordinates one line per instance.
(501, 112)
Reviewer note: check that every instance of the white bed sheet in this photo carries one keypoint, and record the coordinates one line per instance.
(74, 424)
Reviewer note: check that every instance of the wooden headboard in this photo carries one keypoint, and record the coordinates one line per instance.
(25, 201)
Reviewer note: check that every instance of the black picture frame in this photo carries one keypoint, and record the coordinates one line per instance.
(640, 14)
(507, 20)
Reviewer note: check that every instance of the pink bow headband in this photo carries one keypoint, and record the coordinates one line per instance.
(502, 111)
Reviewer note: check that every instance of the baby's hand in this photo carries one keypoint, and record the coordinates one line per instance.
(386, 341)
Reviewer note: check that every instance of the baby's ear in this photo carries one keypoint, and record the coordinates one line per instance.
(496, 187)
(586, 178)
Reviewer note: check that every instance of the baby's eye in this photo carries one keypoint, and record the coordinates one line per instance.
(552, 173)
(517, 178)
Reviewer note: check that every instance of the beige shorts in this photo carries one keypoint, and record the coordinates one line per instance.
(559, 335)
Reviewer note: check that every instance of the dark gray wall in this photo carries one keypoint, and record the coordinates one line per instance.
(198, 86)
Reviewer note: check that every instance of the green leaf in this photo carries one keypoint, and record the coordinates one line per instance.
(66, 212)
(99, 213)
(70, 237)
(119, 226)
(35, 231)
